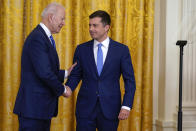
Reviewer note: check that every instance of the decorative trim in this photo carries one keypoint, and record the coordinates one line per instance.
(165, 124)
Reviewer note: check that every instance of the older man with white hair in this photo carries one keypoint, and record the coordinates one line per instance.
(41, 77)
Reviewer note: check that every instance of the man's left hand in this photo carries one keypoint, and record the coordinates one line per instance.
(71, 68)
(123, 115)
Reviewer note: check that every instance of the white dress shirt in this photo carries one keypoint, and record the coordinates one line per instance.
(48, 33)
(104, 47)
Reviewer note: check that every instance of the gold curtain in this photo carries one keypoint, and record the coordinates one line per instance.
(132, 24)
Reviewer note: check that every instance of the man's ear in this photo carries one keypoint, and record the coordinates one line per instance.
(50, 17)
(107, 27)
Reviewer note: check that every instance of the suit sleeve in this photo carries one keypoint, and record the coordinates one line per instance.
(128, 77)
(76, 73)
(39, 55)
(61, 75)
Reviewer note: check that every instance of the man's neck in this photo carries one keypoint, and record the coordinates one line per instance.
(102, 39)
(46, 24)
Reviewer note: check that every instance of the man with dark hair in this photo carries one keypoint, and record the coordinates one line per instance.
(105, 17)
(100, 63)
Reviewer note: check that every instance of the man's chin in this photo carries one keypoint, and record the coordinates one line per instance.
(57, 31)
(93, 37)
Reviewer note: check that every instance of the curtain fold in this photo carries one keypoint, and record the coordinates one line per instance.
(132, 23)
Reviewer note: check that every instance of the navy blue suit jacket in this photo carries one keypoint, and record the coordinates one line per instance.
(41, 78)
(107, 85)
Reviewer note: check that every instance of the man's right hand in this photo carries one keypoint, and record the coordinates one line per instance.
(68, 92)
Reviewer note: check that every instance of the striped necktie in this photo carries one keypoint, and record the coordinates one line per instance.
(53, 42)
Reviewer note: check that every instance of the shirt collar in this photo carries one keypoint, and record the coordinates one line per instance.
(47, 31)
(105, 43)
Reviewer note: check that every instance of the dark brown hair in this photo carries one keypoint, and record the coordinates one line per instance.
(105, 17)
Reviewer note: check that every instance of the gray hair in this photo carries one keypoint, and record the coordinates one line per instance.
(51, 9)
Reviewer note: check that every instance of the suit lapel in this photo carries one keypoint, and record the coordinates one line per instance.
(44, 33)
(92, 58)
(109, 55)
(50, 46)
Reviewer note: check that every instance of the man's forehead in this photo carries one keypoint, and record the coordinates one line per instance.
(95, 20)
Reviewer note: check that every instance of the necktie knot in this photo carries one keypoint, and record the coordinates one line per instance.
(52, 41)
(99, 45)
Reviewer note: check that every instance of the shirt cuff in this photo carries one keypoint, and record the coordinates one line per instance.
(66, 74)
(126, 107)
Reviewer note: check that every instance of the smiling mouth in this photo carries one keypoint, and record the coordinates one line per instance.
(60, 26)
(92, 33)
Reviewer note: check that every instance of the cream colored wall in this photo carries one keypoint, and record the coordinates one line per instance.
(166, 65)
(174, 20)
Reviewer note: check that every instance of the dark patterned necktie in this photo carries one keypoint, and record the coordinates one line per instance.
(53, 42)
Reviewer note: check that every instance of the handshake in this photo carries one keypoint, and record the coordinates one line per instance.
(68, 92)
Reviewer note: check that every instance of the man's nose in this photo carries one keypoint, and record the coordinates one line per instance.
(90, 28)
